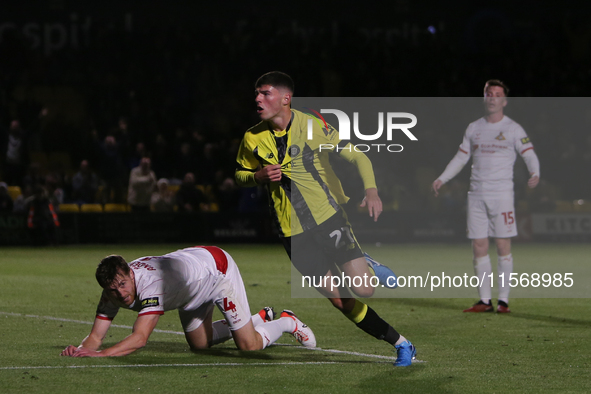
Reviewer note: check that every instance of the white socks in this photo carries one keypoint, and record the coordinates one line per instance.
(271, 331)
(256, 319)
(221, 331)
(482, 269)
(505, 267)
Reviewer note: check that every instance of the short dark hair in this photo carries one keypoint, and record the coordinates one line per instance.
(109, 268)
(496, 82)
(277, 79)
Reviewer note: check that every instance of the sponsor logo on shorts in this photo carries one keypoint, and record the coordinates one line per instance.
(149, 302)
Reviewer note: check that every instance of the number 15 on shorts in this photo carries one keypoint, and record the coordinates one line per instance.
(509, 218)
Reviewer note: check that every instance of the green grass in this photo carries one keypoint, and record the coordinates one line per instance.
(543, 346)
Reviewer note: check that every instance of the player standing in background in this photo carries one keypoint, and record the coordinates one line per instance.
(191, 280)
(493, 141)
(305, 197)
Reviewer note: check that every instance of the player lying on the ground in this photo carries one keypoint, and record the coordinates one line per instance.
(191, 280)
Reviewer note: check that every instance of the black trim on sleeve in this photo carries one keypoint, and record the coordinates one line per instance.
(341, 145)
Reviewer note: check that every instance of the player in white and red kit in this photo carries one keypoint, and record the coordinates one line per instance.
(493, 142)
(191, 280)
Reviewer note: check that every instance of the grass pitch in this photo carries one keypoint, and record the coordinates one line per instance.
(49, 297)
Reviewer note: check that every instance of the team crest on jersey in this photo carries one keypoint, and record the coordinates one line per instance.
(525, 140)
(500, 137)
(149, 302)
(294, 150)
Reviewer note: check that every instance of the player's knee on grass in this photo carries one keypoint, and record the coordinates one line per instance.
(246, 338)
(248, 346)
(199, 348)
(198, 339)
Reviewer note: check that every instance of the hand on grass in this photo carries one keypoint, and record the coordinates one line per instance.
(73, 351)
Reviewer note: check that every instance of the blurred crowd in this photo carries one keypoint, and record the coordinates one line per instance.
(189, 175)
(152, 117)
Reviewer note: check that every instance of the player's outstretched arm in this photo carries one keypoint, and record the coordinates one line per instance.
(93, 341)
(453, 168)
(143, 327)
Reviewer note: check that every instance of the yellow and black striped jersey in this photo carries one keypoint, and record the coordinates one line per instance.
(309, 191)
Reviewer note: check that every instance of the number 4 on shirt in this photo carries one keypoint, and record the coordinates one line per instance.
(229, 306)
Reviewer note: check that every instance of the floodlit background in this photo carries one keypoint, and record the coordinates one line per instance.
(175, 83)
(89, 88)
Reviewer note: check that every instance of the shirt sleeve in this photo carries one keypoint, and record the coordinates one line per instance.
(247, 164)
(525, 148)
(363, 164)
(106, 310)
(151, 299)
(459, 160)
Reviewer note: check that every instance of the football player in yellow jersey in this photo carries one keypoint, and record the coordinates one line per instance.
(306, 197)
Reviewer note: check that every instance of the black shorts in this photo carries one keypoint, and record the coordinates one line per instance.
(325, 247)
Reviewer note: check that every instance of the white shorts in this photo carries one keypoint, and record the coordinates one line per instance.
(491, 217)
(230, 298)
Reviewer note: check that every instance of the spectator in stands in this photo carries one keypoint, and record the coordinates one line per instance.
(111, 170)
(207, 164)
(189, 198)
(84, 184)
(20, 202)
(185, 160)
(54, 192)
(34, 175)
(228, 195)
(42, 220)
(142, 182)
(16, 154)
(161, 158)
(123, 136)
(163, 200)
(136, 157)
(6, 203)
